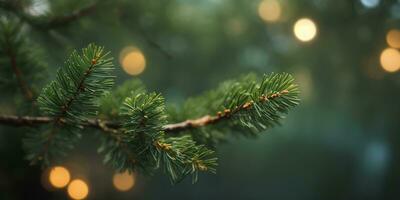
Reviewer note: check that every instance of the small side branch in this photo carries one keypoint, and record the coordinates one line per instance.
(66, 19)
(18, 74)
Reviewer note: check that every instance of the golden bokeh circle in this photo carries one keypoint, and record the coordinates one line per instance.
(269, 10)
(393, 38)
(78, 189)
(59, 177)
(390, 60)
(123, 181)
(132, 60)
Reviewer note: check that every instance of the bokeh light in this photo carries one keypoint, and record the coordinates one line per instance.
(305, 29)
(270, 10)
(132, 60)
(370, 3)
(78, 189)
(393, 38)
(390, 60)
(59, 177)
(38, 7)
(123, 181)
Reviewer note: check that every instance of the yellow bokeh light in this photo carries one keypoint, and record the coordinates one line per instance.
(269, 10)
(59, 177)
(390, 60)
(393, 38)
(123, 181)
(132, 60)
(305, 29)
(78, 189)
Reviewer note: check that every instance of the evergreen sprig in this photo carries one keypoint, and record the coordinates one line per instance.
(142, 144)
(83, 79)
(70, 100)
(242, 107)
(181, 156)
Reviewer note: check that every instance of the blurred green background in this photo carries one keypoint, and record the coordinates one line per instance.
(342, 142)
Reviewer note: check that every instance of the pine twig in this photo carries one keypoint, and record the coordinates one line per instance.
(18, 74)
(66, 19)
(154, 44)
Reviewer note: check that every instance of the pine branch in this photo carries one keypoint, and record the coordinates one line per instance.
(243, 107)
(21, 121)
(221, 115)
(136, 138)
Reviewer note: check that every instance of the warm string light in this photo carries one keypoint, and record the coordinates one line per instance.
(390, 60)
(38, 7)
(305, 29)
(393, 38)
(269, 10)
(132, 60)
(123, 181)
(78, 189)
(59, 177)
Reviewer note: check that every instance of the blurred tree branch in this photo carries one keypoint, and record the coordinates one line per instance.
(154, 44)
(58, 21)
(38, 22)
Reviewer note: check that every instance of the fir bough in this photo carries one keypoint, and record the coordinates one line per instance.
(138, 131)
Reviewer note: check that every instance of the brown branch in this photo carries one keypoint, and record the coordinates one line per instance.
(112, 126)
(153, 44)
(66, 19)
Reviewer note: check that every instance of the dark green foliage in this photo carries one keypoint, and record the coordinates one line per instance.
(144, 115)
(19, 53)
(49, 144)
(143, 118)
(70, 100)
